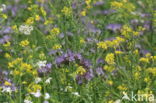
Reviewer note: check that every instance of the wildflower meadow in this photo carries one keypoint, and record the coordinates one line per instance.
(77, 51)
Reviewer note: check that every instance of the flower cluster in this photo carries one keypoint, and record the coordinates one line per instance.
(77, 51)
(111, 43)
(26, 29)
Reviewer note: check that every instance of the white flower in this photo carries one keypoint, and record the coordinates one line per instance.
(76, 93)
(47, 96)
(68, 87)
(3, 7)
(118, 101)
(41, 64)
(37, 94)
(45, 102)
(48, 80)
(6, 89)
(27, 101)
(26, 29)
(37, 80)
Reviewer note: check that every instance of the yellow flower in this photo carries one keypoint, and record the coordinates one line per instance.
(26, 66)
(109, 68)
(82, 41)
(43, 11)
(4, 16)
(118, 52)
(37, 17)
(16, 72)
(24, 82)
(111, 43)
(144, 60)
(136, 52)
(148, 55)
(66, 11)
(30, 20)
(116, 4)
(7, 55)
(110, 58)
(57, 46)
(109, 82)
(15, 62)
(7, 44)
(42, 56)
(137, 75)
(122, 87)
(50, 37)
(24, 43)
(126, 31)
(80, 70)
(147, 79)
(14, 27)
(153, 58)
(83, 13)
(151, 70)
(138, 68)
(6, 83)
(55, 31)
(102, 45)
(88, 2)
(10, 65)
(34, 88)
(135, 33)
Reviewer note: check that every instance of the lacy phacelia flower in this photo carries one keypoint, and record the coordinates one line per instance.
(41, 64)
(26, 29)
(113, 27)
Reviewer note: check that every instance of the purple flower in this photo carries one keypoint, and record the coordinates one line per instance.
(52, 52)
(144, 52)
(85, 63)
(113, 27)
(49, 65)
(5, 39)
(14, 11)
(89, 75)
(59, 60)
(79, 79)
(100, 60)
(145, 15)
(45, 69)
(78, 56)
(61, 35)
(92, 28)
(99, 3)
(69, 34)
(134, 21)
(74, 5)
(99, 71)
(7, 30)
(107, 12)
